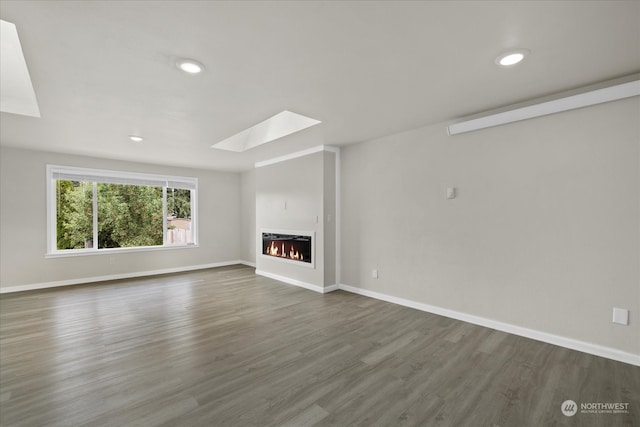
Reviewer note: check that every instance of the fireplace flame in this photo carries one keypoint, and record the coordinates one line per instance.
(275, 250)
(293, 254)
(272, 249)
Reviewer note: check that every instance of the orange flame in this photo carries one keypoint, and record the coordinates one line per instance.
(294, 254)
(274, 250)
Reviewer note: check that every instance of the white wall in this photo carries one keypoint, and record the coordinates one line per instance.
(329, 212)
(23, 242)
(544, 233)
(299, 183)
(248, 216)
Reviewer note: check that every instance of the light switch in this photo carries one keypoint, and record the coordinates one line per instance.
(451, 193)
(621, 316)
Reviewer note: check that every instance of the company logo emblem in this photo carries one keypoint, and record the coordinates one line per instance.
(569, 408)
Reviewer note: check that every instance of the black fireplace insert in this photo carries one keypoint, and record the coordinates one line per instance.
(287, 246)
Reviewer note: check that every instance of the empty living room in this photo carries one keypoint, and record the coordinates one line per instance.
(319, 213)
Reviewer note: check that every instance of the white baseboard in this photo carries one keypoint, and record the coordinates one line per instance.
(247, 263)
(598, 350)
(82, 280)
(331, 288)
(299, 283)
(585, 347)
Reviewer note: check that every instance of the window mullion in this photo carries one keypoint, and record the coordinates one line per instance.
(95, 216)
(194, 216)
(164, 216)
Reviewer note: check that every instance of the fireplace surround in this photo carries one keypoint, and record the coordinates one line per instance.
(289, 246)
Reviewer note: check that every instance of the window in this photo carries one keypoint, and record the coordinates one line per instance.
(96, 210)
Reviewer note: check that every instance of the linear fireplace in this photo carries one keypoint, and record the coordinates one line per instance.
(293, 247)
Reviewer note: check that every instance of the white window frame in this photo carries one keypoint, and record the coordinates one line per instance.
(71, 173)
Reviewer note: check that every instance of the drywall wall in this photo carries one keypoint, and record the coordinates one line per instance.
(24, 234)
(329, 212)
(544, 232)
(248, 216)
(289, 196)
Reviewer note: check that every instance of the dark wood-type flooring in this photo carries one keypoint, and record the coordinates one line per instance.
(224, 347)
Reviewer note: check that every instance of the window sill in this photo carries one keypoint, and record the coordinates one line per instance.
(111, 251)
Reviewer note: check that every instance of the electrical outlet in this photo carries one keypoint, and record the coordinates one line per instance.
(374, 274)
(621, 316)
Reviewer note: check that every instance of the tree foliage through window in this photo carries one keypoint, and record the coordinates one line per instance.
(179, 202)
(93, 209)
(128, 215)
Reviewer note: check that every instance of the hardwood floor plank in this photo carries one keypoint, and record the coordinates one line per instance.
(310, 417)
(224, 347)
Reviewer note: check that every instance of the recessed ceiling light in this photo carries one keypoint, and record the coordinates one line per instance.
(512, 57)
(136, 138)
(190, 66)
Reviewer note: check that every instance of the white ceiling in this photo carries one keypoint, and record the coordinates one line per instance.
(105, 70)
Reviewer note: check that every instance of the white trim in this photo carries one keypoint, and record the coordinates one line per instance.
(594, 97)
(331, 149)
(295, 155)
(84, 280)
(247, 263)
(165, 207)
(124, 177)
(95, 239)
(106, 251)
(50, 191)
(299, 283)
(338, 239)
(331, 288)
(290, 261)
(573, 344)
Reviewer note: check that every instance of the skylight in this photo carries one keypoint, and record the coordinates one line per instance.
(278, 126)
(16, 91)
